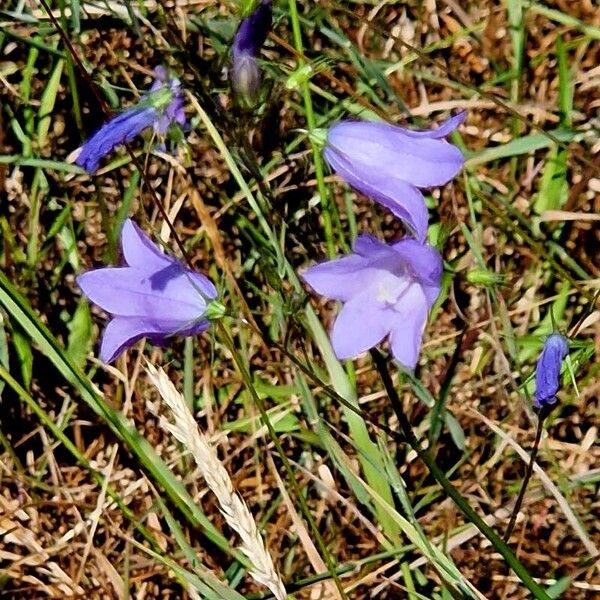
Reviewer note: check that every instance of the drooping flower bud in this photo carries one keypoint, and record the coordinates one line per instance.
(248, 41)
(547, 370)
(392, 164)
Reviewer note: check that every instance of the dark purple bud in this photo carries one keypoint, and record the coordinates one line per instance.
(253, 30)
(547, 370)
(248, 41)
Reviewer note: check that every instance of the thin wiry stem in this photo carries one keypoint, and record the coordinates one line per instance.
(312, 124)
(528, 473)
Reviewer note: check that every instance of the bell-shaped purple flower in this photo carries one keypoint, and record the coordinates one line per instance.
(248, 41)
(160, 107)
(387, 290)
(547, 370)
(391, 164)
(152, 296)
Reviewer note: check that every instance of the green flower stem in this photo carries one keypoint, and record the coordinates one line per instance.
(524, 484)
(312, 124)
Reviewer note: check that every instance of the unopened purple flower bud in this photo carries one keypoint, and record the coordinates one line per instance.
(547, 370)
(160, 107)
(248, 41)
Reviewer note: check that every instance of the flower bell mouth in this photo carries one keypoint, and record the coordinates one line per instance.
(386, 291)
(390, 292)
(153, 296)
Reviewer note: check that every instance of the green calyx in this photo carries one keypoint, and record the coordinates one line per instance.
(484, 277)
(318, 137)
(215, 310)
(160, 98)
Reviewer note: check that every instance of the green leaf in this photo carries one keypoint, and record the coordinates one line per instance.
(25, 356)
(522, 145)
(47, 103)
(80, 334)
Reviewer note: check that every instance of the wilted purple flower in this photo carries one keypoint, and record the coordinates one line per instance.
(386, 290)
(390, 164)
(152, 296)
(160, 107)
(547, 370)
(249, 39)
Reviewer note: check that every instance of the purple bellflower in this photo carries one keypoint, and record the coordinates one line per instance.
(547, 370)
(391, 164)
(160, 107)
(153, 295)
(386, 291)
(248, 41)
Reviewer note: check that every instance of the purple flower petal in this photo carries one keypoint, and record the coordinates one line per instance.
(360, 325)
(253, 30)
(424, 261)
(248, 41)
(410, 317)
(371, 248)
(120, 130)
(339, 279)
(387, 152)
(403, 199)
(547, 370)
(445, 129)
(154, 296)
(385, 290)
(122, 332)
(132, 292)
(139, 251)
(154, 110)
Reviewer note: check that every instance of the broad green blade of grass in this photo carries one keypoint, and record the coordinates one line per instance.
(522, 145)
(42, 163)
(371, 461)
(47, 104)
(20, 310)
(554, 187)
(80, 334)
